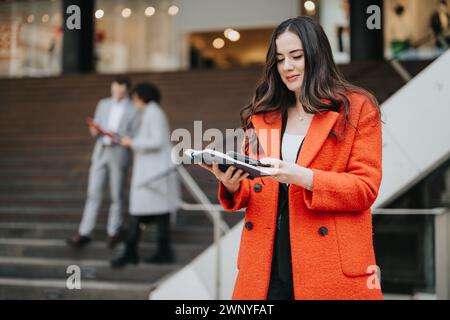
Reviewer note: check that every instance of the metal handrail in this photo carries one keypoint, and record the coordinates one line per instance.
(401, 70)
(398, 66)
(395, 211)
(213, 212)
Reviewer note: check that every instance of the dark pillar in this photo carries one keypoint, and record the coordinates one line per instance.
(365, 43)
(78, 47)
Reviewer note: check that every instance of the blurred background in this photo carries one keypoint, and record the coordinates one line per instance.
(207, 56)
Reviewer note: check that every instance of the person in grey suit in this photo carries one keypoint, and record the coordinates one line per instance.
(110, 161)
(155, 192)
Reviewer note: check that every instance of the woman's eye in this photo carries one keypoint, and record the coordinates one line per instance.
(295, 58)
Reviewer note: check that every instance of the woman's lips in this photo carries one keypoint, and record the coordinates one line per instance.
(293, 77)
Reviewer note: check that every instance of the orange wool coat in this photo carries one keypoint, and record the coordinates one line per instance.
(339, 264)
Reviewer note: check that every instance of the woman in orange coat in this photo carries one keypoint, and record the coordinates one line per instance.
(308, 227)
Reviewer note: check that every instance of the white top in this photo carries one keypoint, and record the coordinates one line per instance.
(115, 115)
(290, 145)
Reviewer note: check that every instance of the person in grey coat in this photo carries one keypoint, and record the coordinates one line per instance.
(110, 161)
(155, 193)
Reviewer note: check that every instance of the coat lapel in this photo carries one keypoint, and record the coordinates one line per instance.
(318, 132)
(269, 134)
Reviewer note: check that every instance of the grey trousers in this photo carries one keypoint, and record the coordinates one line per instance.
(106, 167)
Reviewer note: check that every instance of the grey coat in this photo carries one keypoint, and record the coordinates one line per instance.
(154, 186)
(128, 126)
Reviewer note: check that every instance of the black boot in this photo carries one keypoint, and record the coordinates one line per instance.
(130, 254)
(78, 241)
(164, 254)
(127, 257)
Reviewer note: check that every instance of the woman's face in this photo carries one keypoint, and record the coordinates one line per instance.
(290, 60)
(137, 101)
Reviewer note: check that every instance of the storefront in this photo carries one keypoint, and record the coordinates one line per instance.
(170, 35)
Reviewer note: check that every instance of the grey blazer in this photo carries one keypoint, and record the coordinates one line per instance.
(129, 125)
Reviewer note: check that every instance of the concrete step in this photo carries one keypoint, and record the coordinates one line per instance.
(22, 194)
(48, 150)
(77, 202)
(184, 234)
(44, 137)
(44, 196)
(183, 220)
(32, 186)
(17, 130)
(11, 158)
(73, 215)
(205, 180)
(50, 166)
(51, 248)
(43, 144)
(51, 289)
(45, 175)
(31, 201)
(98, 270)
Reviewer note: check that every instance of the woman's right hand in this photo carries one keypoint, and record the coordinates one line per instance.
(231, 179)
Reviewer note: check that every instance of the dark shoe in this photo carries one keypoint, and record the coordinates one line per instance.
(113, 240)
(161, 256)
(124, 259)
(78, 241)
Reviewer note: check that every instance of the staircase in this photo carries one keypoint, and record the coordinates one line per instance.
(44, 160)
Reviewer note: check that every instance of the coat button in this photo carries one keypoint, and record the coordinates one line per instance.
(248, 225)
(257, 187)
(323, 231)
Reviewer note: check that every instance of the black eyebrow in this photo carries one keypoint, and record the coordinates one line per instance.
(290, 51)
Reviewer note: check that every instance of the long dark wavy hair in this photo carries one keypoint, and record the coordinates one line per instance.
(322, 80)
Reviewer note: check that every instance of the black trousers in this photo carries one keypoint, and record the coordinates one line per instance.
(163, 224)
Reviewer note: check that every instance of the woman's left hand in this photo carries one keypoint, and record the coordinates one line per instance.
(286, 172)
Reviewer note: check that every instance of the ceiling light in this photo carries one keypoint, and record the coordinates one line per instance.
(173, 10)
(218, 43)
(126, 12)
(310, 6)
(99, 14)
(149, 11)
(234, 35)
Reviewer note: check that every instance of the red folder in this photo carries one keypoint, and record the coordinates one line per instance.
(91, 123)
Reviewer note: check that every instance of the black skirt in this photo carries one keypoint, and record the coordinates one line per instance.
(281, 283)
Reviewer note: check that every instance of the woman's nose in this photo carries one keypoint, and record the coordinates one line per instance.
(287, 64)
